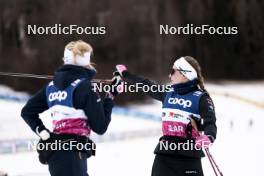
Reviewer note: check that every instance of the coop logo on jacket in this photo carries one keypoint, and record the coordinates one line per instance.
(180, 101)
(60, 95)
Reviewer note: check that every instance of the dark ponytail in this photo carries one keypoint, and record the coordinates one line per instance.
(198, 69)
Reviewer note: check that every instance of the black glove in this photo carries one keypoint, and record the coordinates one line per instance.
(45, 152)
(117, 85)
(199, 122)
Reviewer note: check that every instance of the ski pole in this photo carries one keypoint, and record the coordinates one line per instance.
(212, 162)
(221, 174)
(27, 75)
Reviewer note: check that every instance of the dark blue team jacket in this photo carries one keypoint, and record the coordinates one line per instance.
(98, 112)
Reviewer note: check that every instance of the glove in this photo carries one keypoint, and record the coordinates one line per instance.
(117, 86)
(202, 141)
(45, 153)
(198, 123)
(43, 134)
(120, 69)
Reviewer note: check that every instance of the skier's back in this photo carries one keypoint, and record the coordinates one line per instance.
(75, 110)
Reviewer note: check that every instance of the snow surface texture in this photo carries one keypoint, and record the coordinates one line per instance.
(127, 148)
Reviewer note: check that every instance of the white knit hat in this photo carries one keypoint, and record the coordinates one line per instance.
(185, 68)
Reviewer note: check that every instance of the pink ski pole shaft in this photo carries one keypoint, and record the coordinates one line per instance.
(213, 163)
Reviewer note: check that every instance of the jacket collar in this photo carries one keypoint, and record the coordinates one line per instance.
(66, 74)
(76, 71)
(186, 87)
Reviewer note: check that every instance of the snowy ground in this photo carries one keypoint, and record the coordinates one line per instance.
(237, 150)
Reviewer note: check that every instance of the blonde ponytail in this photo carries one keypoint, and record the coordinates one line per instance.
(80, 48)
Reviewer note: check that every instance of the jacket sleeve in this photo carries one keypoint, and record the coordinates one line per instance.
(34, 106)
(97, 110)
(207, 112)
(158, 95)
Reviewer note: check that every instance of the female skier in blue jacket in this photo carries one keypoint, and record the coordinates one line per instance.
(187, 110)
(76, 110)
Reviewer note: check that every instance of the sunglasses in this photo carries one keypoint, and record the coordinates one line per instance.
(179, 69)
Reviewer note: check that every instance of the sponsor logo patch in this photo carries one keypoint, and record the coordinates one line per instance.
(60, 95)
(180, 101)
(171, 114)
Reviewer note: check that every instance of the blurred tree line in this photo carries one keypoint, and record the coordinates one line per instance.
(133, 37)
